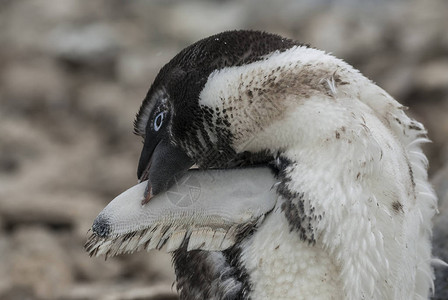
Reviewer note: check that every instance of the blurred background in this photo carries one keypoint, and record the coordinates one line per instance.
(73, 74)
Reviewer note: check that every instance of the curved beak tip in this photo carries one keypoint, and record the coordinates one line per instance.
(147, 195)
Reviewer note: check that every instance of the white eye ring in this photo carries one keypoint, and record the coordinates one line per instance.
(158, 121)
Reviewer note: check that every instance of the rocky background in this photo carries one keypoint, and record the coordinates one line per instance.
(73, 74)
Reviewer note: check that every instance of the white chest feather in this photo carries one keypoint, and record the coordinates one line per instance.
(281, 266)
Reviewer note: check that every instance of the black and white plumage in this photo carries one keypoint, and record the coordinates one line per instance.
(351, 214)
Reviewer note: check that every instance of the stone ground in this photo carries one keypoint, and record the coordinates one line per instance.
(73, 74)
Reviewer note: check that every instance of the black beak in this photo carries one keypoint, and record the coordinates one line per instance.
(160, 162)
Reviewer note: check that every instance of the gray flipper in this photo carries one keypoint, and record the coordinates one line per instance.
(206, 209)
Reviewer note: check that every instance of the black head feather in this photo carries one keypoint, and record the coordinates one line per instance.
(185, 75)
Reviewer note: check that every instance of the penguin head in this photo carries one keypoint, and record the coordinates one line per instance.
(183, 122)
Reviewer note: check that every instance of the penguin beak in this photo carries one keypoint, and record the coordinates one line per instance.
(160, 162)
(145, 176)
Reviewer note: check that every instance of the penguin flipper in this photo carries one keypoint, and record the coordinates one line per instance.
(207, 209)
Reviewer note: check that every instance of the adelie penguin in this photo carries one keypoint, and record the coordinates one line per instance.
(311, 183)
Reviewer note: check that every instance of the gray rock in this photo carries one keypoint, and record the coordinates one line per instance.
(433, 75)
(63, 212)
(226, 16)
(5, 279)
(34, 85)
(440, 233)
(120, 291)
(88, 269)
(137, 68)
(92, 44)
(37, 261)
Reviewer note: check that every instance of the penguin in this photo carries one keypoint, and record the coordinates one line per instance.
(351, 207)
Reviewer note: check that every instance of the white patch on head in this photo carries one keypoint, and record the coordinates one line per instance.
(255, 96)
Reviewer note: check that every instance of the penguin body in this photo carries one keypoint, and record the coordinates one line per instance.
(352, 217)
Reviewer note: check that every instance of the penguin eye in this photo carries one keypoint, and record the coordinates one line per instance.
(158, 121)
